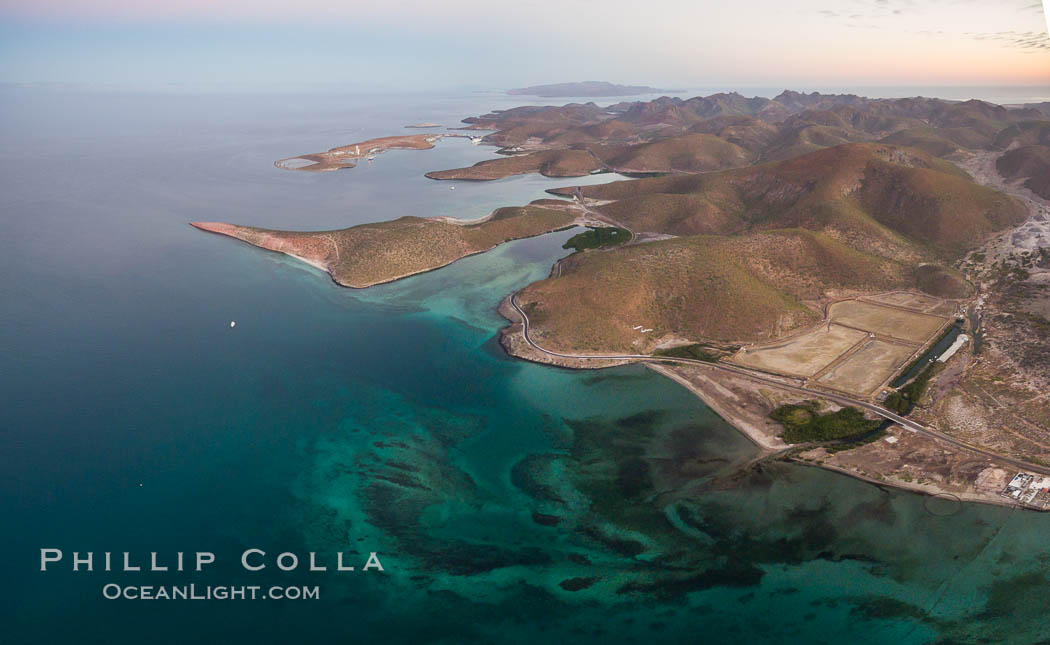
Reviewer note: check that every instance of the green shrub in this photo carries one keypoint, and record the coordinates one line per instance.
(696, 351)
(598, 237)
(804, 422)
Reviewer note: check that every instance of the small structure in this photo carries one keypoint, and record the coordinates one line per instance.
(1029, 489)
(960, 340)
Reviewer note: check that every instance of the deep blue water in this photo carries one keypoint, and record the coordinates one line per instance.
(135, 419)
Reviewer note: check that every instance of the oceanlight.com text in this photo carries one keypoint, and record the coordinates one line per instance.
(113, 591)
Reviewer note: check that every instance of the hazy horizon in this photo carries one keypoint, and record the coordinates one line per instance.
(1001, 94)
(467, 44)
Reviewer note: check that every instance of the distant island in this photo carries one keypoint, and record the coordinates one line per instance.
(584, 88)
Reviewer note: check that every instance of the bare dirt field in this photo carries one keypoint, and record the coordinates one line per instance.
(919, 302)
(868, 367)
(803, 355)
(886, 321)
(861, 345)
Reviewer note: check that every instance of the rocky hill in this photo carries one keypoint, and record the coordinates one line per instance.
(757, 250)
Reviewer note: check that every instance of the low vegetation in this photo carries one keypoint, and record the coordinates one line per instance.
(696, 351)
(804, 422)
(598, 237)
(904, 399)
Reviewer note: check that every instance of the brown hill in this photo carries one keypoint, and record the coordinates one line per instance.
(945, 211)
(1030, 163)
(685, 153)
(798, 101)
(550, 163)
(924, 138)
(1029, 133)
(775, 241)
(674, 214)
(775, 129)
(370, 254)
(942, 282)
(722, 288)
(748, 132)
(900, 201)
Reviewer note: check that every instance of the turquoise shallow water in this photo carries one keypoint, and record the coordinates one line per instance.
(510, 502)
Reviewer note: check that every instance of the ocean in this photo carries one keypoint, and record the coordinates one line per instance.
(506, 500)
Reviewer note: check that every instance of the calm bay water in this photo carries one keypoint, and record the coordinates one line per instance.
(390, 420)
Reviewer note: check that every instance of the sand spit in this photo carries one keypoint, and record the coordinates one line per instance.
(349, 155)
(280, 244)
(728, 401)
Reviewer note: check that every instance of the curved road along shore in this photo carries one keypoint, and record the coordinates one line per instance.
(841, 400)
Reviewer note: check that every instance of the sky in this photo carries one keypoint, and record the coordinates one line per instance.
(432, 44)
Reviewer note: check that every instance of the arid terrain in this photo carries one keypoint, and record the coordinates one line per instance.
(751, 255)
(860, 347)
(370, 254)
(796, 253)
(347, 156)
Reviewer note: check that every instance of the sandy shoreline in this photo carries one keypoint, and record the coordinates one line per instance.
(930, 490)
(741, 406)
(766, 443)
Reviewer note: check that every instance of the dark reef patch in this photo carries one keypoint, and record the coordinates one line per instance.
(880, 511)
(529, 474)
(884, 608)
(545, 520)
(732, 573)
(633, 477)
(622, 546)
(576, 584)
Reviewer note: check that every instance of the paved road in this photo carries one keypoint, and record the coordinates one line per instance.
(841, 400)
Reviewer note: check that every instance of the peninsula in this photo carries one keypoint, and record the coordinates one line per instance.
(347, 156)
(371, 254)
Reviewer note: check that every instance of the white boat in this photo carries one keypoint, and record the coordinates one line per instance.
(475, 140)
(233, 324)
